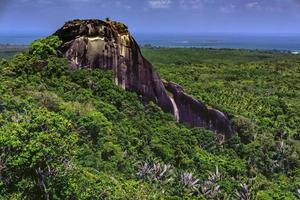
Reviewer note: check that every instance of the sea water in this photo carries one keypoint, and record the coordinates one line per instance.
(236, 41)
(19, 39)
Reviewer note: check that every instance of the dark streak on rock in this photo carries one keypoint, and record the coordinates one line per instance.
(109, 45)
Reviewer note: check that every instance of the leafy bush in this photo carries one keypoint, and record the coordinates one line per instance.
(75, 135)
(45, 47)
(36, 146)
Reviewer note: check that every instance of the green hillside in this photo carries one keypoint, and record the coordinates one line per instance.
(263, 87)
(75, 135)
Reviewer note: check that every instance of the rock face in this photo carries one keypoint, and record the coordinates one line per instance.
(196, 114)
(109, 45)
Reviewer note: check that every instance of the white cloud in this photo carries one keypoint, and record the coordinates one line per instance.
(266, 6)
(120, 4)
(159, 3)
(253, 5)
(192, 4)
(228, 8)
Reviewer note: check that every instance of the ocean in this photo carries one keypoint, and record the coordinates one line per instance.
(235, 41)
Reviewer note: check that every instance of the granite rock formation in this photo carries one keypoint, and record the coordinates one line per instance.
(109, 45)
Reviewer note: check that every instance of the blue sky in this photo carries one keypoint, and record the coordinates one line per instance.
(156, 16)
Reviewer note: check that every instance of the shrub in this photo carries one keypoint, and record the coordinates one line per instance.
(45, 47)
(36, 152)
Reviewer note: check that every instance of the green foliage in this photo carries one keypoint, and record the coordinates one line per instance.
(259, 90)
(75, 135)
(45, 47)
(31, 65)
(36, 144)
(93, 124)
(246, 129)
(261, 87)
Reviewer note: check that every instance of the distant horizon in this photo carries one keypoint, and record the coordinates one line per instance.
(167, 33)
(282, 42)
(156, 16)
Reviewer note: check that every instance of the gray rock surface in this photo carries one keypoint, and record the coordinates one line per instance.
(109, 45)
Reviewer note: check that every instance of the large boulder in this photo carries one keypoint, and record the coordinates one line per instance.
(109, 45)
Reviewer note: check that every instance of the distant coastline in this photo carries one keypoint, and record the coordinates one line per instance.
(290, 44)
(228, 49)
(4, 47)
(7, 48)
(284, 44)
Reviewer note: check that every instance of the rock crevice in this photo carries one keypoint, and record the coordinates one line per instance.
(109, 45)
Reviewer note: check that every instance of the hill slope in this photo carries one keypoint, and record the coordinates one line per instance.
(98, 44)
(75, 135)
